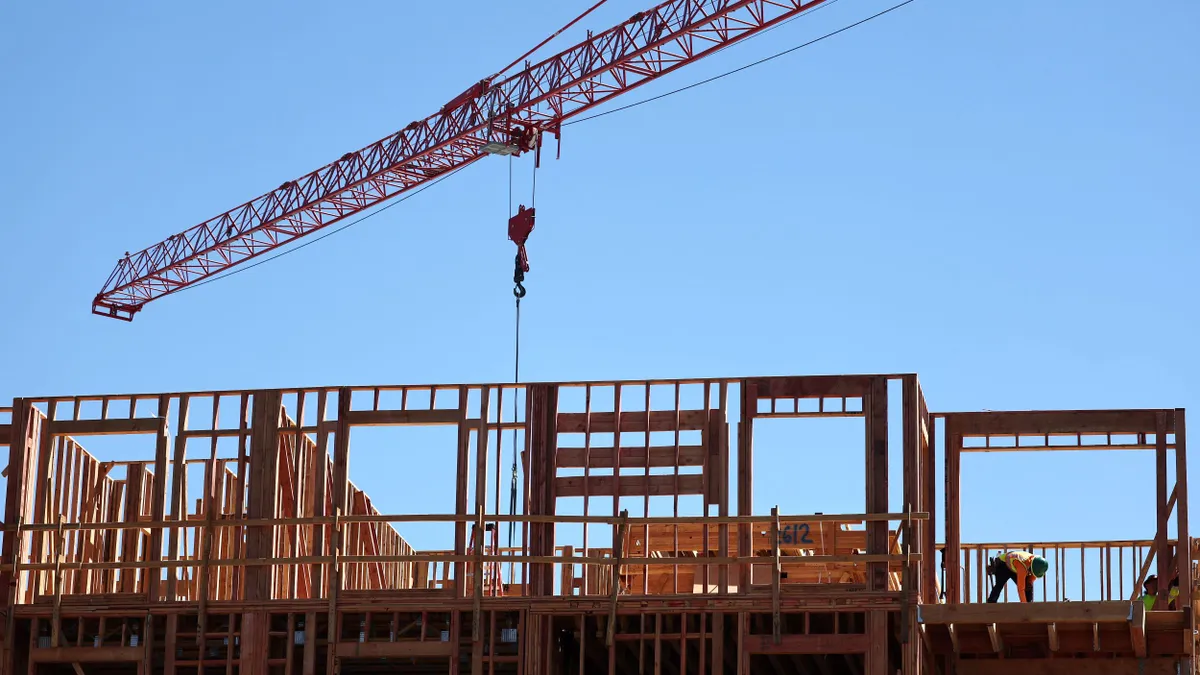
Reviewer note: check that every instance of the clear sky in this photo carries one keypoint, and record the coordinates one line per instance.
(999, 196)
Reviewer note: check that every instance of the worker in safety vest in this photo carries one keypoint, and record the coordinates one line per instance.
(1020, 566)
(1150, 592)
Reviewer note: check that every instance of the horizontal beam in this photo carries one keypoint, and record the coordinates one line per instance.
(1031, 612)
(449, 558)
(631, 457)
(1058, 421)
(87, 654)
(384, 650)
(1060, 448)
(5, 434)
(633, 421)
(808, 644)
(136, 425)
(391, 418)
(471, 518)
(630, 486)
(811, 386)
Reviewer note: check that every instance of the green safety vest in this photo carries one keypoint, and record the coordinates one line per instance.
(1148, 600)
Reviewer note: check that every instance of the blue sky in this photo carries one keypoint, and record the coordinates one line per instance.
(998, 196)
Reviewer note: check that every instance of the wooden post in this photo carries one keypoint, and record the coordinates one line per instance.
(335, 585)
(877, 637)
(169, 644)
(953, 445)
(1181, 519)
(460, 491)
(614, 590)
(929, 555)
(263, 488)
(310, 643)
(718, 643)
(749, 405)
(158, 505)
(543, 441)
(481, 458)
(1161, 541)
(178, 497)
(776, 573)
(876, 409)
(56, 621)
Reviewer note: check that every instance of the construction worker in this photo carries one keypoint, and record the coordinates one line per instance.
(1020, 566)
(1150, 592)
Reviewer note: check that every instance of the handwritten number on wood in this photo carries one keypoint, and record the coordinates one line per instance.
(793, 534)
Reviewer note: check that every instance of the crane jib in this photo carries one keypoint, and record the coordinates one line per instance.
(647, 46)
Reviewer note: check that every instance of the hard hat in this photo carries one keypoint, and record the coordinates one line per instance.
(1040, 566)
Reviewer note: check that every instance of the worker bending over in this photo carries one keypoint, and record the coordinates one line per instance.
(1020, 566)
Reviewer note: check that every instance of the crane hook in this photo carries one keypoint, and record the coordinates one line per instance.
(519, 277)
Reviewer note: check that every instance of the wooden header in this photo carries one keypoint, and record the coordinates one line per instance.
(1058, 422)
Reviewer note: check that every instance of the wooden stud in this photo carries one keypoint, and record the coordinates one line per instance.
(776, 572)
(1183, 533)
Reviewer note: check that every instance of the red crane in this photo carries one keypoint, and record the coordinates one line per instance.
(494, 116)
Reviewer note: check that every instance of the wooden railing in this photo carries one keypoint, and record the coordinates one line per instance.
(42, 572)
(1079, 570)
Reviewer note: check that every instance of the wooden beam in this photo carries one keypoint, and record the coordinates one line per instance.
(262, 489)
(395, 650)
(811, 386)
(1161, 543)
(636, 486)
(994, 638)
(1095, 637)
(158, 507)
(953, 637)
(631, 457)
(86, 654)
(392, 418)
(1052, 636)
(953, 471)
(1181, 519)
(1054, 422)
(1033, 612)
(481, 464)
(604, 422)
(877, 636)
(137, 425)
(876, 407)
(1069, 666)
(850, 643)
(615, 583)
(776, 573)
(1137, 629)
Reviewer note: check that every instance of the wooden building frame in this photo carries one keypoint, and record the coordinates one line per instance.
(277, 563)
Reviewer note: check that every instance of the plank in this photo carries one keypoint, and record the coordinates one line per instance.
(386, 650)
(1056, 422)
(856, 643)
(86, 654)
(1036, 612)
(137, 425)
(387, 418)
(631, 457)
(631, 421)
(811, 386)
(573, 486)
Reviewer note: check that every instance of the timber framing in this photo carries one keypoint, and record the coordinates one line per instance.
(242, 546)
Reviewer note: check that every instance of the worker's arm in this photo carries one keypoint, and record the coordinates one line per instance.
(1029, 588)
(1023, 577)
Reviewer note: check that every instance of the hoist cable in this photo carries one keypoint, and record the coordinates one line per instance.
(512, 496)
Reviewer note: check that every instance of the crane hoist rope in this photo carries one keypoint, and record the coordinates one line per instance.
(520, 226)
